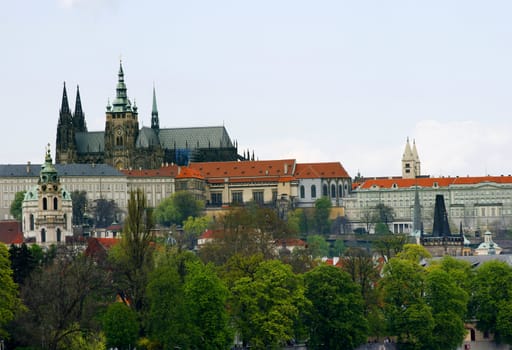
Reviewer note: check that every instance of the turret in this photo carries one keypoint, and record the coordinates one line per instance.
(155, 124)
(79, 124)
(410, 161)
(65, 134)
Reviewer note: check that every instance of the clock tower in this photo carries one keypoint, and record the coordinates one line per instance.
(121, 128)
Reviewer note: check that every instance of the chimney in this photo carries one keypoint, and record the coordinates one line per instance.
(28, 167)
(179, 170)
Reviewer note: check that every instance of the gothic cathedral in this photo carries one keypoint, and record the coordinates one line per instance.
(123, 145)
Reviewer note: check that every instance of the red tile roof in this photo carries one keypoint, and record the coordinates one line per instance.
(320, 170)
(10, 232)
(246, 169)
(165, 171)
(187, 173)
(431, 181)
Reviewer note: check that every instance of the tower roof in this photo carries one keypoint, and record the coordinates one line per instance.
(121, 102)
(78, 116)
(155, 124)
(65, 112)
(408, 154)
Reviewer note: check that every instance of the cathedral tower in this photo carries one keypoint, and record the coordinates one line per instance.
(121, 127)
(410, 161)
(65, 144)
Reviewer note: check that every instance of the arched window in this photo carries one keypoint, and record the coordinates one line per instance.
(302, 191)
(325, 190)
(55, 203)
(59, 235)
(340, 190)
(31, 222)
(65, 222)
(333, 191)
(45, 203)
(43, 235)
(313, 191)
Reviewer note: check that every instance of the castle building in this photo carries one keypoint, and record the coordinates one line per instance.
(47, 208)
(124, 145)
(411, 165)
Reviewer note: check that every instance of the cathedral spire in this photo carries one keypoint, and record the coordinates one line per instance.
(64, 107)
(155, 124)
(78, 117)
(121, 102)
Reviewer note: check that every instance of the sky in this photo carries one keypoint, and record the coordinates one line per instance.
(317, 81)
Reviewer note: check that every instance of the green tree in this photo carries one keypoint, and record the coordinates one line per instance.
(134, 256)
(63, 299)
(15, 209)
(381, 229)
(321, 214)
(9, 301)
(79, 200)
(491, 297)
(120, 325)
(193, 227)
(389, 245)
(336, 317)
(205, 299)
(176, 208)
(448, 303)
(408, 317)
(266, 306)
(318, 247)
(167, 315)
(414, 252)
(104, 212)
(22, 262)
(384, 213)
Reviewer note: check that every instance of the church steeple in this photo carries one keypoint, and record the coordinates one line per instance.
(121, 102)
(410, 161)
(155, 124)
(65, 112)
(78, 117)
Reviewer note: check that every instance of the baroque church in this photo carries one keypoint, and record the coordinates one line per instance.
(124, 145)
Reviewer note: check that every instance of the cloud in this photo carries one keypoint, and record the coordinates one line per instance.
(464, 147)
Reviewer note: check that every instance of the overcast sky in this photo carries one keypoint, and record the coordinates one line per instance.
(322, 80)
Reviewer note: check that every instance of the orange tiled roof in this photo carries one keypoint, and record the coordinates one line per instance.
(430, 181)
(256, 169)
(187, 173)
(165, 171)
(320, 170)
(108, 242)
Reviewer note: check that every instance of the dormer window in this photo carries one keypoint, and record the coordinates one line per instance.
(394, 186)
(435, 185)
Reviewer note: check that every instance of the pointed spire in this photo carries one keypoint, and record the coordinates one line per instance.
(78, 116)
(64, 108)
(408, 155)
(121, 102)
(415, 151)
(416, 224)
(441, 226)
(155, 124)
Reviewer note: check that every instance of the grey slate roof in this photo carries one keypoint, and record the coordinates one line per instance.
(90, 142)
(198, 137)
(33, 170)
(478, 260)
(147, 137)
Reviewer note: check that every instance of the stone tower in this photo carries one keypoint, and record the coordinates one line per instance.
(121, 128)
(47, 208)
(411, 166)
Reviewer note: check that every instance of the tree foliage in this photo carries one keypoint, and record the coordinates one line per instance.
(491, 299)
(318, 247)
(15, 209)
(62, 300)
(23, 262)
(322, 212)
(266, 306)
(79, 200)
(336, 318)
(134, 257)
(120, 325)
(9, 301)
(104, 212)
(177, 208)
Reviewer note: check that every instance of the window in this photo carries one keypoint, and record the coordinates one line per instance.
(31, 222)
(43, 235)
(55, 204)
(45, 203)
(325, 192)
(237, 197)
(302, 191)
(216, 199)
(257, 196)
(274, 195)
(59, 235)
(340, 190)
(333, 191)
(313, 191)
